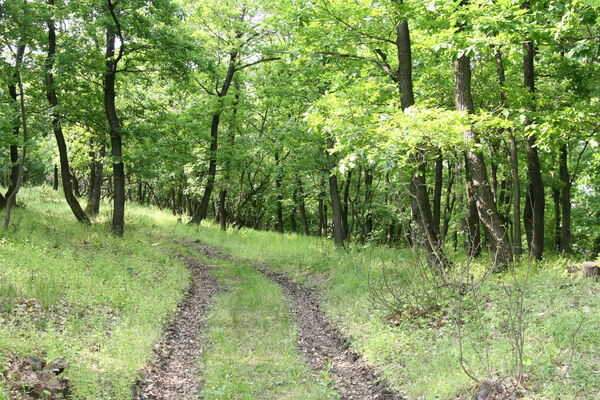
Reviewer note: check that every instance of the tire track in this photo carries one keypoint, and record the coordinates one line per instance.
(174, 373)
(323, 346)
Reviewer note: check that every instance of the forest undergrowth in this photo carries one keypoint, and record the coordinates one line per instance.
(74, 291)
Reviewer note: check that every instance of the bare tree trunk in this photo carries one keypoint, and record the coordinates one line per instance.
(115, 135)
(302, 207)
(56, 126)
(202, 211)
(486, 205)
(55, 183)
(536, 188)
(14, 151)
(368, 200)
(473, 237)
(345, 204)
(514, 165)
(279, 196)
(336, 206)
(514, 170)
(565, 236)
(10, 199)
(557, 231)
(96, 178)
(437, 193)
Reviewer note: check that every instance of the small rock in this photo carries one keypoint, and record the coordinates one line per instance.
(33, 364)
(483, 392)
(58, 365)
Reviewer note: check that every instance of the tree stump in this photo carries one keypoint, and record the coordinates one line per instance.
(590, 270)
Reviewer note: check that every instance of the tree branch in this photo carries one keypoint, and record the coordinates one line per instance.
(257, 62)
(381, 64)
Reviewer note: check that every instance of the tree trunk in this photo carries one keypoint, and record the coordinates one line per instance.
(475, 164)
(514, 171)
(528, 219)
(368, 201)
(294, 211)
(322, 226)
(96, 178)
(565, 235)
(345, 205)
(14, 151)
(214, 134)
(437, 194)
(536, 188)
(11, 198)
(115, 133)
(336, 206)
(557, 232)
(473, 236)
(302, 207)
(55, 182)
(279, 196)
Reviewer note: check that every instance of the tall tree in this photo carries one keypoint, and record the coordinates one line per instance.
(56, 125)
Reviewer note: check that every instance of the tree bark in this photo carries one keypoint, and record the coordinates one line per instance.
(514, 171)
(96, 178)
(336, 206)
(14, 151)
(55, 182)
(473, 237)
(557, 232)
(116, 151)
(536, 188)
(368, 201)
(565, 236)
(279, 195)
(214, 134)
(10, 199)
(302, 207)
(345, 205)
(475, 163)
(514, 164)
(437, 194)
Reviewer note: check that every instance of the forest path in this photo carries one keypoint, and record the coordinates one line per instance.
(174, 373)
(323, 346)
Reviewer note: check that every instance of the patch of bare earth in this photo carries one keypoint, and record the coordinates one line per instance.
(322, 345)
(174, 374)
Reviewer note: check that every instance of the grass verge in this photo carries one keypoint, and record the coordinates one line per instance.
(77, 292)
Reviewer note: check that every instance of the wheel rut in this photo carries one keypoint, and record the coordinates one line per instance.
(323, 346)
(173, 373)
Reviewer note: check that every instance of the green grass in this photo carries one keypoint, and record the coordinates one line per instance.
(74, 291)
(128, 287)
(251, 343)
(420, 355)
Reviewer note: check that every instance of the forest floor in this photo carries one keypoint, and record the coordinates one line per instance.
(172, 311)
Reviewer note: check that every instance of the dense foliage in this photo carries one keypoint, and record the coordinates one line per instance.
(455, 124)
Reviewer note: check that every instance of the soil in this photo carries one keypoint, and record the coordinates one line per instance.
(174, 372)
(324, 347)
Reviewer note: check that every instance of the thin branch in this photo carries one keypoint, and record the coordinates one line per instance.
(381, 64)
(257, 62)
(111, 8)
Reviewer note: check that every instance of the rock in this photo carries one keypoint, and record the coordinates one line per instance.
(33, 364)
(57, 366)
(483, 392)
(590, 269)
